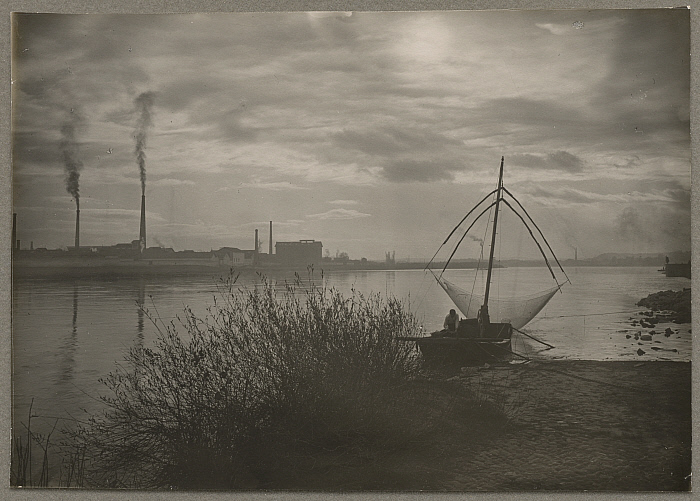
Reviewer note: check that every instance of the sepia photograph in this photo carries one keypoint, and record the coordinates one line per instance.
(438, 251)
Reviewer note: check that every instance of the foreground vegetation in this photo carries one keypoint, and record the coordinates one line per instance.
(293, 387)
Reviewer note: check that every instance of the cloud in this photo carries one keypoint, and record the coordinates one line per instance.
(272, 185)
(645, 84)
(558, 29)
(559, 160)
(171, 182)
(413, 104)
(573, 196)
(576, 196)
(339, 214)
(392, 140)
(421, 171)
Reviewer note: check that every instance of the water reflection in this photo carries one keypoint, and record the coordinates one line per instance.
(140, 300)
(390, 282)
(71, 343)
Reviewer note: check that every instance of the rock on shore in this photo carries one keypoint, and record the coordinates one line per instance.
(676, 302)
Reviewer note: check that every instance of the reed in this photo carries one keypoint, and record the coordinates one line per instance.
(22, 473)
(270, 384)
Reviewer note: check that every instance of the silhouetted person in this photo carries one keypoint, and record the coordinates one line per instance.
(451, 322)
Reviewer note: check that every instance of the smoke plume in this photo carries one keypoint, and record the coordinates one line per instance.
(144, 104)
(69, 151)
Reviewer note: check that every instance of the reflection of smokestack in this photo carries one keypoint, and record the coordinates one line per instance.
(71, 343)
(77, 228)
(75, 310)
(270, 252)
(140, 314)
(142, 233)
(14, 230)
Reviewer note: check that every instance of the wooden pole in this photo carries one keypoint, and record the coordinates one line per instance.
(534, 338)
(484, 313)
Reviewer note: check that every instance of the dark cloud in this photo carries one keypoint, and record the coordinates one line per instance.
(647, 84)
(652, 223)
(568, 195)
(525, 111)
(34, 148)
(407, 171)
(559, 160)
(392, 140)
(523, 122)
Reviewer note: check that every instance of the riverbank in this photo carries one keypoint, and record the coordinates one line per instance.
(673, 306)
(574, 425)
(539, 426)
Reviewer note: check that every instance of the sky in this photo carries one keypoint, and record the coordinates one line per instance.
(368, 131)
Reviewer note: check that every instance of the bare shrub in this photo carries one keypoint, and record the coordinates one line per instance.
(263, 387)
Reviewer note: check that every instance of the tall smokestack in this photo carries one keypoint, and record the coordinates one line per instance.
(142, 233)
(575, 253)
(14, 230)
(77, 227)
(256, 241)
(270, 238)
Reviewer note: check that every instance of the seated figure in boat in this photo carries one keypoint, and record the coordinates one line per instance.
(451, 323)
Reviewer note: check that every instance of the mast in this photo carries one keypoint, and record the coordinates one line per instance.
(484, 319)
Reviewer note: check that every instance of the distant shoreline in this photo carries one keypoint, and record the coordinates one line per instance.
(38, 268)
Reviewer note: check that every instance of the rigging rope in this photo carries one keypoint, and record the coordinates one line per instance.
(465, 234)
(592, 314)
(540, 231)
(460, 224)
(533, 237)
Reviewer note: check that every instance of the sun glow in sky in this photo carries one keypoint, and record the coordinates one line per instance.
(368, 131)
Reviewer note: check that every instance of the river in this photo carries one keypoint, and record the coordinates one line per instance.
(69, 333)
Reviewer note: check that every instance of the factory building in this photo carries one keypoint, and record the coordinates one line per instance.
(232, 256)
(298, 254)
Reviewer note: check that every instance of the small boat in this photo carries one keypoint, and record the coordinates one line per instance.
(483, 336)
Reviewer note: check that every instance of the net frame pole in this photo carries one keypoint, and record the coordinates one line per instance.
(458, 225)
(485, 306)
(465, 234)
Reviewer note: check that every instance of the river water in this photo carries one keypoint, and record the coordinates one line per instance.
(68, 333)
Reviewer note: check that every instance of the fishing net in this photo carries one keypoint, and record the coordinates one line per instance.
(517, 311)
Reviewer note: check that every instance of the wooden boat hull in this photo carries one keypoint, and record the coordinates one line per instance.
(467, 346)
(464, 351)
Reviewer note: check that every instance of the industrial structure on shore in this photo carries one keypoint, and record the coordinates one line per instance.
(136, 255)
